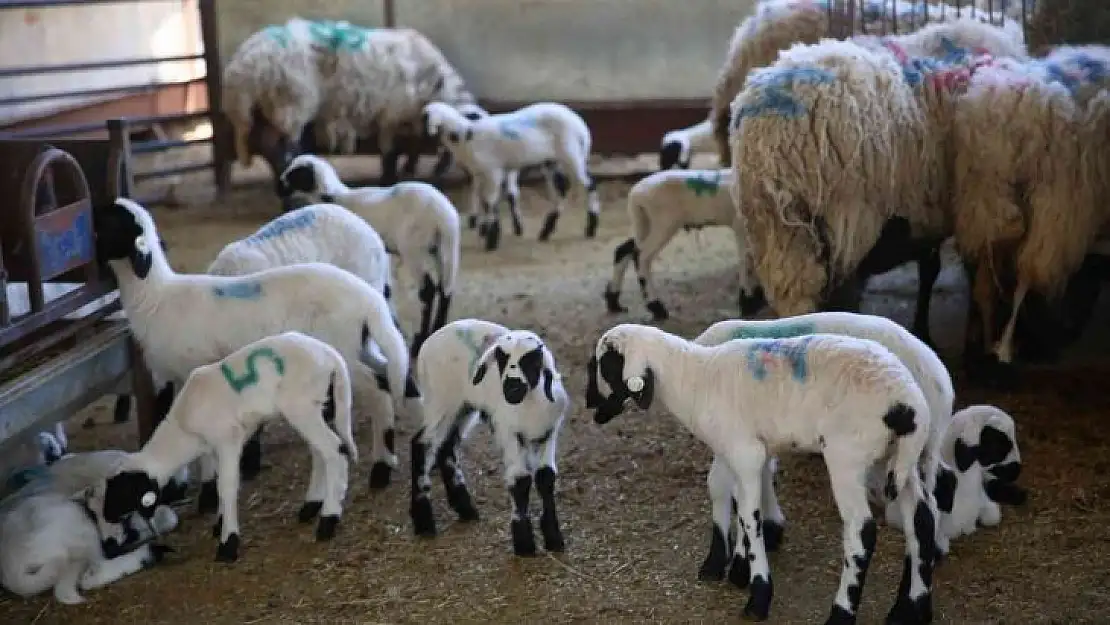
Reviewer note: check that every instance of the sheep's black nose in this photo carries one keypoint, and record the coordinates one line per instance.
(514, 390)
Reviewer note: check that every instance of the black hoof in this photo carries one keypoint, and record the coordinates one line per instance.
(471, 221)
(658, 310)
(325, 529)
(758, 607)
(228, 551)
(840, 616)
(122, 410)
(524, 542)
(423, 520)
(752, 304)
(548, 226)
(493, 236)
(379, 475)
(309, 510)
(591, 225)
(772, 535)
(740, 573)
(908, 612)
(460, 501)
(613, 302)
(552, 535)
(716, 562)
(209, 498)
(518, 228)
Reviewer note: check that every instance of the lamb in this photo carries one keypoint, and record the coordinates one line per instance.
(326, 233)
(457, 371)
(212, 316)
(659, 206)
(678, 146)
(545, 134)
(928, 371)
(510, 188)
(305, 382)
(415, 220)
(849, 399)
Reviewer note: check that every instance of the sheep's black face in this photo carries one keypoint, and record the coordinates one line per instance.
(521, 364)
(669, 155)
(610, 367)
(130, 491)
(301, 177)
(119, 236)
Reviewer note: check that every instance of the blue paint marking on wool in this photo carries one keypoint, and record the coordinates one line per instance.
(779, 330)
(1077, 71)
(775, 89)
(248, 290)
(286, 223)
(510, 126)
(278, 33)
(793, 353)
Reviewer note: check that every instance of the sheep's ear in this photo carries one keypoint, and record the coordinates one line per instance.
(531, 365)
(301, 178)
(993, 446)
(469, 134)
(479, 373)
(548, 380)
(644, 396)
(141, 257)
(593, 393)
(483, 363)
(966, 455)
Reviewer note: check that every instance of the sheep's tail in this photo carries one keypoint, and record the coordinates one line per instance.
(339, 397)
(911, 430)
(641, 223)
(379, 328)
(446, 249)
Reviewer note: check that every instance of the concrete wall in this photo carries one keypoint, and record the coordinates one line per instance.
(62, 35)
(579, 50)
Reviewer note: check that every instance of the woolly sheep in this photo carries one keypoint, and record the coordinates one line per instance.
(776, 25)
(545, 134)
(849, 399)
(928, 371)
(212, 316)
(510, 188)
(415, 220)
(678, 146)
(472, 366)
(659, 206)
(303, 380)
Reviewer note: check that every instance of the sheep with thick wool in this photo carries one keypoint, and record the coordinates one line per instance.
(776, 25)
(415, 220)
(927, 369)
(659, 206)
(545, 134)
(184, 321)
(849, 399)
(680, 145)
(472, 367)
(842, 155)
(325, 233)
(289, 375)
(1029, 202)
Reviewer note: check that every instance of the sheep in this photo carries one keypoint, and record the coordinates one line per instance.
(979, 471)
(325, 233)
(183, 321)
(776, 25)
(545, 134)
(849, 399)
(865, 202)
(678, 146)
(304, 381)
(415, 220)
(53, 532)
(457, 371)
(929, 373)
(1028, 215)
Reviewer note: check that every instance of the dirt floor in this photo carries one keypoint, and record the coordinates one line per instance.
(632, 493)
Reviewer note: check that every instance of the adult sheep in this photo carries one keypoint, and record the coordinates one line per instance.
(776, 25)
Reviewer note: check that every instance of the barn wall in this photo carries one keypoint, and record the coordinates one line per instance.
(65, 35)
(581, 50)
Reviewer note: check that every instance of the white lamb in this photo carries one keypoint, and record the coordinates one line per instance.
(678, 146)
(662, 204)
(184, 321)
(415, 220)
(474, 367)
(546, 134)
(849, 399)
(928, 371)
(510, 187)
(289, 375)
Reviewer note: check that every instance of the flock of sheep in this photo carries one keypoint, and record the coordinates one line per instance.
(841, 159)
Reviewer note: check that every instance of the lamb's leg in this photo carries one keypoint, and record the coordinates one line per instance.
(558, 188)
(860, 530)
(720, 484)
(623, 254)
(511, 190)
(209, 498)
(475, 215)
(656, 240)
(588, 186)
(314, 499)
(443, 164)
(383, 419)
(65, 589)
(425, 446)
(544, 478)
(518, 480)
(774, 521)
(490, 189)
(990, 514)
(1005, 347)
(108, 571)
(329, 448)
(928, 270)
(752, 298)
(227, 480)
(427, 295)
(914, 602)
(250, 463)
(746, 462)
(390, 156)
(454, 482)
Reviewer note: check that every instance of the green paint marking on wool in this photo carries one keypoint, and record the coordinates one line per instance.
(773, 330)
(249, 378)
(279, 34)
(338, 36)
(476, 347)
(704, 186)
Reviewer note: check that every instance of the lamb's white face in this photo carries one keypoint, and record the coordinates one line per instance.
(307, 174)
(522, 361)
(611, 382)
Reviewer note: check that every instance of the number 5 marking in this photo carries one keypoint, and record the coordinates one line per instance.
(250, 377)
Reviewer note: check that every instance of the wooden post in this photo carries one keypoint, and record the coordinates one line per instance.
(222, 151)
(389, 14)
(142, 386)
(119, 164)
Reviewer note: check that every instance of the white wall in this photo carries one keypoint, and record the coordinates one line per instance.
(57, 35)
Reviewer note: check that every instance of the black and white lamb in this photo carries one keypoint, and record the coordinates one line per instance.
(472, 367)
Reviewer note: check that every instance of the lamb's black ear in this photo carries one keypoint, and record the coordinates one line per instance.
(531, 365)
(479, 374)
(993, 446)
(966, 455)
(502, 359)
(141, 261)
(593, 393)
(548, 380)
(469, 134)
(644, 396)
(301, 178)
(611, 368)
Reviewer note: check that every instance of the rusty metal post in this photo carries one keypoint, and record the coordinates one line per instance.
(213, 78)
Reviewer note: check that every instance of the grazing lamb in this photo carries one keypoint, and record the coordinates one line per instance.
(929, 373)
(212, 316)
(849, 399)
(301, 379)
(458, 371)
(546, 134)
(415, 220)
(679, 146)
(325, 233)
(659, 206)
